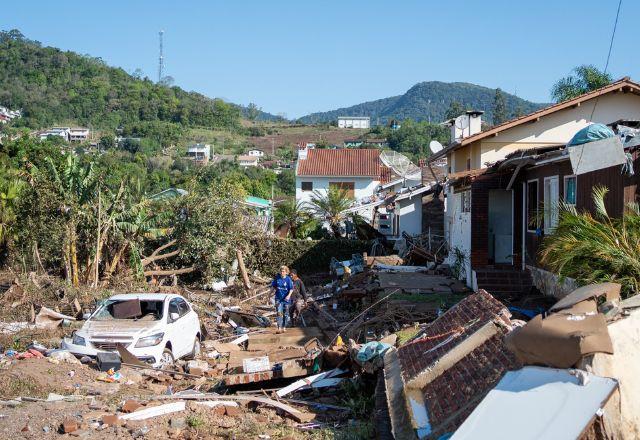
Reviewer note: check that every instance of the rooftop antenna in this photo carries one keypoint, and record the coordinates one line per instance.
(161, 59)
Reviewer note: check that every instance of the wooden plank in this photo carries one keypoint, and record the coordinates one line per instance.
(297, 415)
(155, 411)
(308, 381)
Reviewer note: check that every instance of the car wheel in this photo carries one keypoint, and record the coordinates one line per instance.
(167, 359)
(197, 348)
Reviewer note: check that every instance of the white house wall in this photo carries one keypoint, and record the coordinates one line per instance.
(558, 128)
(363, 186)
(458, 225)
(410, 211)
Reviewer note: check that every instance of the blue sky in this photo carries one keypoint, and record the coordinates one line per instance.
(299, 57)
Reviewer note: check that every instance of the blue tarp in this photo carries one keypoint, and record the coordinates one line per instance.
(593, 132)
(370, 350)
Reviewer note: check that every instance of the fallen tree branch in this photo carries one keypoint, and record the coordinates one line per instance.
(151, 273)
(163, 247)
(150, 259)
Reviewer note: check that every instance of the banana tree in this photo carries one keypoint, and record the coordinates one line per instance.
(76, 185)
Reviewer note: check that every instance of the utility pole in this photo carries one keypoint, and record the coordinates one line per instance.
(160, 60)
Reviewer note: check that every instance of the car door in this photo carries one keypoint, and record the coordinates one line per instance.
(174, 332)
(190, 324)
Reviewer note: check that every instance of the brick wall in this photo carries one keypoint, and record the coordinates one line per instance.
(480, 188)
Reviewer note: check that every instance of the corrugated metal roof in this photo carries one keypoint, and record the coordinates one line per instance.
(321, 162)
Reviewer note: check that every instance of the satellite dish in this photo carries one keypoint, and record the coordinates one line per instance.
(435, 146)
(462, 122)
(400, 164)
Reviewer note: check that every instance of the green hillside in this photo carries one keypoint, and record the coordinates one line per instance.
(54, 86)
(428, 100)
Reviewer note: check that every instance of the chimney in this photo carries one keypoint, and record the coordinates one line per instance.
(302, 151)
(465, 125)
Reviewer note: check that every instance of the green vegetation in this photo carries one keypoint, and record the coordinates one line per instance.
(596, 248)
(53, 86)
(499, 108)
(413, 138)
(583, 79)
(330, 207)
(428, 101)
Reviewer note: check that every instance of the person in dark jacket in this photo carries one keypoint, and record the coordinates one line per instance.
(298, 298)
(283, 288)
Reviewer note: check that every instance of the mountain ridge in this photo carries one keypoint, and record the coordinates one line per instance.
(428, 100)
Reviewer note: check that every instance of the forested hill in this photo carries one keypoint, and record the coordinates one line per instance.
(52, 86)
(425, 99)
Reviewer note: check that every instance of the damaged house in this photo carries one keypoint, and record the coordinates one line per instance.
(435, 381)
(476, 373)
(487, 215)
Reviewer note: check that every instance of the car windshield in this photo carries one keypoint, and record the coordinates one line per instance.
(135, 309)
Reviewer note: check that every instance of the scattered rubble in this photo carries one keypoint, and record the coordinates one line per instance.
(434, 353)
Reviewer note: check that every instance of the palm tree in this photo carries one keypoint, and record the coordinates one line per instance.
(330, 207)
(596, 248)
(291, 215)
(583, 79)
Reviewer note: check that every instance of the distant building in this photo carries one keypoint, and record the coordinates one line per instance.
(199, 153)
(380, 143)
(256, 153)
(62, 132)
(352, 143)
(78, 134)
(248, 161)
(354, 122)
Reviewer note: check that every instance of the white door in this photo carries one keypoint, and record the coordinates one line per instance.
(551, 199)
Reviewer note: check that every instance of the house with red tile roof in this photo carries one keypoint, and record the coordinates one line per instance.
(359, 172)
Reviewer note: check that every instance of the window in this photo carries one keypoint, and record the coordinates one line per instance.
(307, 186)
(468, 164)
(551, 198)
(183, 307)
(349, 187)
(533, 222)
(465, 201)
(570, 190)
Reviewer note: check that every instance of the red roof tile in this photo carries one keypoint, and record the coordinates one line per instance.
(471, 313)
(322, 162)
(451, 396)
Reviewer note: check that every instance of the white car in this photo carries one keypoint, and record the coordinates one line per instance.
(157, 328)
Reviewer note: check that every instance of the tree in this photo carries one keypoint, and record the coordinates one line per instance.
(75, 184)
(253, 111)
(499, 108)
(330, 207)
(292, 215)
(583, 79)
(107, 142)
(455, 109)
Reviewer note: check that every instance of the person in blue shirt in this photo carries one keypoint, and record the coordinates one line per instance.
(283, 286)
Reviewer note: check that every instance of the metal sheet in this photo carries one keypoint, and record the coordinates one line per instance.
(535, 403)
(596, 155)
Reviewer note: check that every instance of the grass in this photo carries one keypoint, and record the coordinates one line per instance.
(405, 334)
(195, 422)
(13, 386)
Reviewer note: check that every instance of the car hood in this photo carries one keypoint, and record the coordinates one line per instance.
(120, 327)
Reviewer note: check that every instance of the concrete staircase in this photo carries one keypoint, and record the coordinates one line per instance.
(504, 282)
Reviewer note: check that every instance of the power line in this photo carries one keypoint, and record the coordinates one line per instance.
(606, 66)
